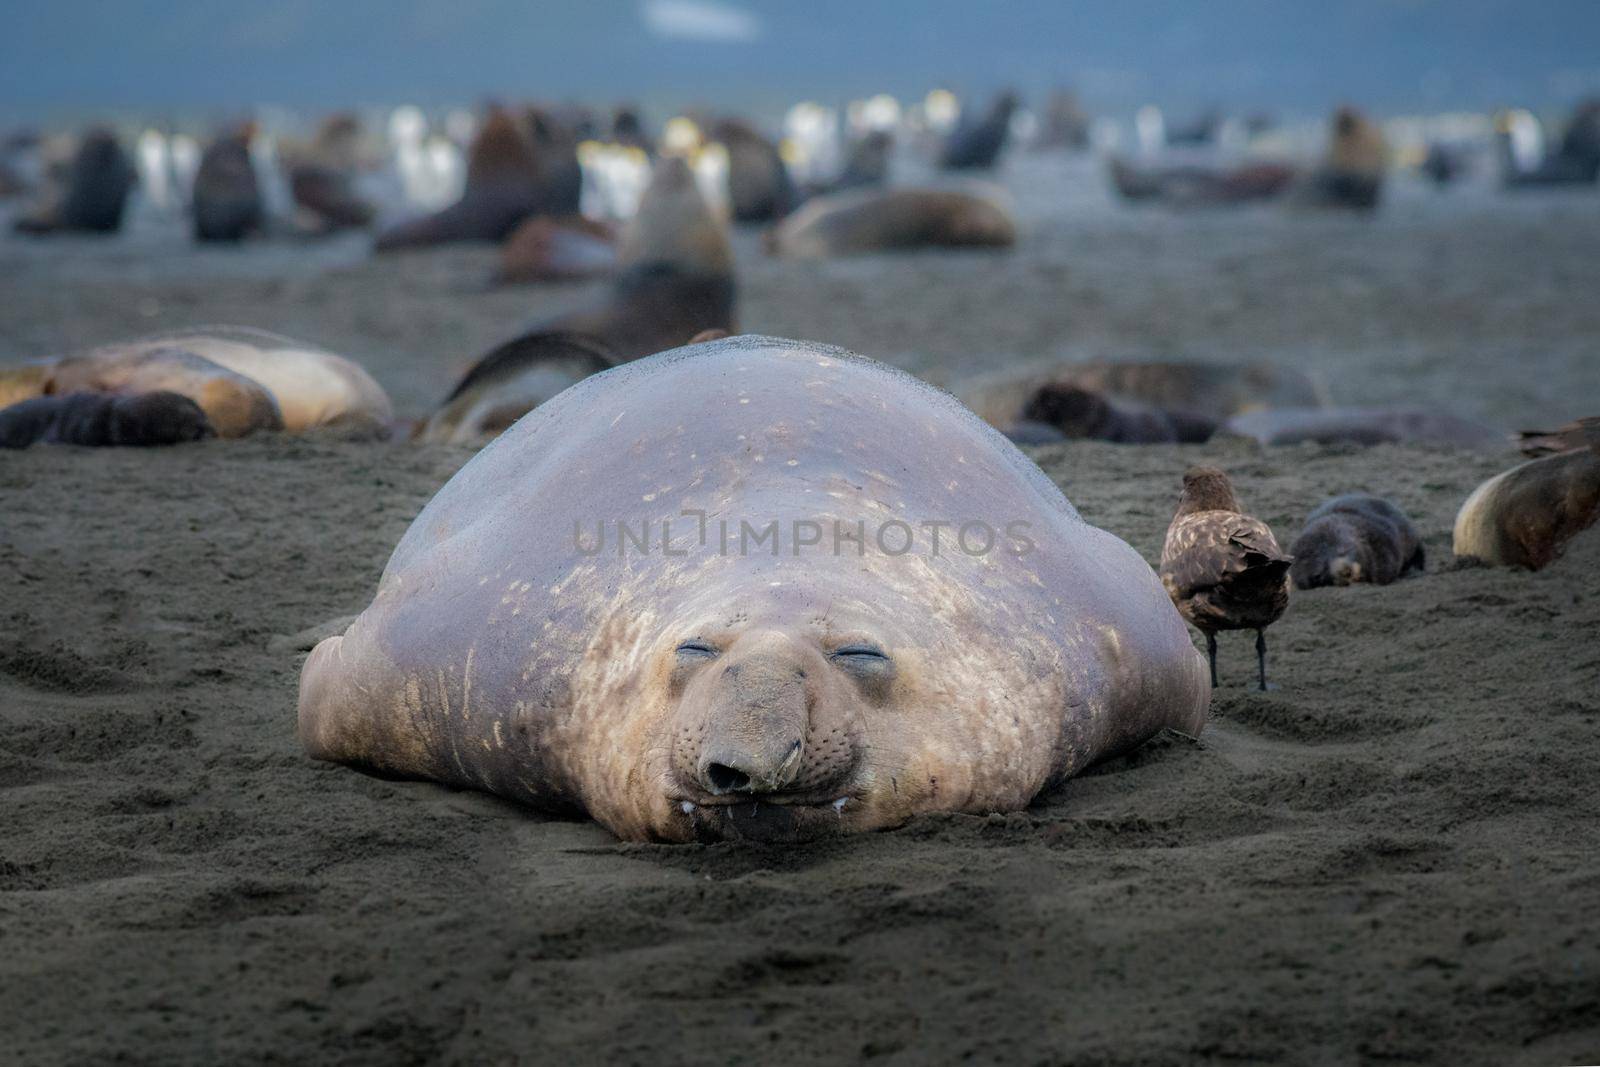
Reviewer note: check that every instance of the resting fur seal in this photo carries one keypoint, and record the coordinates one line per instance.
(677, 282)
(227, 200)
(234, 404)
(314, 389)
(103, 419)
(509, 177)
(95, 190)
(878, 220)
(683, 691)
(1363, 426)
(1525, 516)
(244, 380)
(1356, 537)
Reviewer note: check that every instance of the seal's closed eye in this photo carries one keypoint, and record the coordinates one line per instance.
(696, 649)
(859, 652)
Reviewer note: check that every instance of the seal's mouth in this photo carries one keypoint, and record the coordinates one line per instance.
(768, 818)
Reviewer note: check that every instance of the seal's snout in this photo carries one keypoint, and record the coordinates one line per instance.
(751, 712)
(749, 770)
(753, 739)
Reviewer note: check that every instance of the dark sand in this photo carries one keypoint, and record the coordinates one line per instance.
(1393, 856)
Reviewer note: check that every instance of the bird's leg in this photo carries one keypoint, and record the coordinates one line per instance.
(1261, 656)
(1211, 651)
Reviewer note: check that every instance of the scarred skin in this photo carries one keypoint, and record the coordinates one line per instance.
(857, 688)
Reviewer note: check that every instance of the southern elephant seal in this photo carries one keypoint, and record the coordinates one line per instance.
(1525, 516)
(879, 220)
(753, 588)
(1352, 538)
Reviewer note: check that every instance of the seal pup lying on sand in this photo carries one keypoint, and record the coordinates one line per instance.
(1222, 568)
(692, 683)
(243, 379)
(1356, 537)
(103, 419)
(880, 220)
(1525, 516)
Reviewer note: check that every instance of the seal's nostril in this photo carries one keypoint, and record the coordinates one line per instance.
(725, 779)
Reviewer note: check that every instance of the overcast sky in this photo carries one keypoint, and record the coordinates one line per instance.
(73, 56)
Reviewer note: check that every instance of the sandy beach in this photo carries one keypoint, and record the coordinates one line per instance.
(1393, 856)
